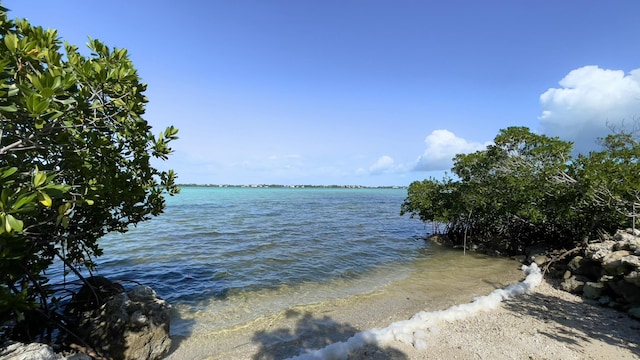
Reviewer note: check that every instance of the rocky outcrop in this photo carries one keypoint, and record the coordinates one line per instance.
(124, 325)
(35, 351)
(107, 323)
(609, 272)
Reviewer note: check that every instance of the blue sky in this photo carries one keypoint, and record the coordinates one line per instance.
(361, 92)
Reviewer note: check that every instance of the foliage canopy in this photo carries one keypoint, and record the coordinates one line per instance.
(75, 158)
(526, 188)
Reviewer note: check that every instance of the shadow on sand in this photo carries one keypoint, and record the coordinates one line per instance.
(312, 333)
(573, 323)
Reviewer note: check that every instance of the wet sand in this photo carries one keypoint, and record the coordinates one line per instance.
(432, 285)
(546, 324)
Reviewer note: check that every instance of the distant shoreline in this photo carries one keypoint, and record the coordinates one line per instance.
(278, 186)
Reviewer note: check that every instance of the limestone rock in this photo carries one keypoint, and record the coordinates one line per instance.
(540, 260)
(148, 337)
(598, 251)
(440, 239)
(573, 285)
(633, 278)
(632, 262)
(587, 267)
(613, 264)
(628, 242)
(33, 351)
(593, 290)
(132, 325)
(625, 290)
(624, 235)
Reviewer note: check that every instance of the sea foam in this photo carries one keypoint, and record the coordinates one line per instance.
(416, 330)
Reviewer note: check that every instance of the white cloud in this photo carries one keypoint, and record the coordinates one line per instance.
(384, 164)
(442, 146)
(590, 98)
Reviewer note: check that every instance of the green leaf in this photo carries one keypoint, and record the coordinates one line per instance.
(39, 178)
(44, 199)
(14, 224)
(65, 222)
(3, 223)
(23, 200)
(4, 196)
(67, 101)
(6, 227)
(13, 90)
(35, 81)
(11, 41)
(8, 172)
(47, 92)
(9, 108)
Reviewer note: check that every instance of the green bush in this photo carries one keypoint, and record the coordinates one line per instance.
(527, 189)
(74, 159)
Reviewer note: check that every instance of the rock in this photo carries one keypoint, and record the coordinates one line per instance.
(77, 357)
(632, 262)
(575, 264)
(633, 278)
(132, 325)
(624, 235)
(33, 351)
(540, 260)
(627, 291)
(605, 301)
(536, 250)
(587, 267)
(92, 294)
(634, 313)
(573, 285)
(440, 239)
(628, 242)
(613, 263)
(150, 317)
(593, 290)
(597, 251)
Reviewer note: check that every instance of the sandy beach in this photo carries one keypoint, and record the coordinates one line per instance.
(545, 324)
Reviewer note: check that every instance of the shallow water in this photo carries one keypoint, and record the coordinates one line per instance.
(236, 263)
(215, 243)
(278, 324)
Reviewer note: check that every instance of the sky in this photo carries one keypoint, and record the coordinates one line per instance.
(362, 92)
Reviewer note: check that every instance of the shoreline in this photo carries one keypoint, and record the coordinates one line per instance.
(545, 324)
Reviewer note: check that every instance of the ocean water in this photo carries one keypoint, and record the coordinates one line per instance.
(212, 243)
(231, 259)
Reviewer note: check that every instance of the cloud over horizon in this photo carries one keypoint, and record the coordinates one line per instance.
(442, 146)
(588, 101)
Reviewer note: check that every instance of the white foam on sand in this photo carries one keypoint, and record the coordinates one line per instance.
(416, 330)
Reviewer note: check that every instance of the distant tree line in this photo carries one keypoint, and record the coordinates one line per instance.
(528, 189)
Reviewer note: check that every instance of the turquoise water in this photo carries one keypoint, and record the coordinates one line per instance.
(244, 267)
(212, 243)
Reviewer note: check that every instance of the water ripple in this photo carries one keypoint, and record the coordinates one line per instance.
(213, 241)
